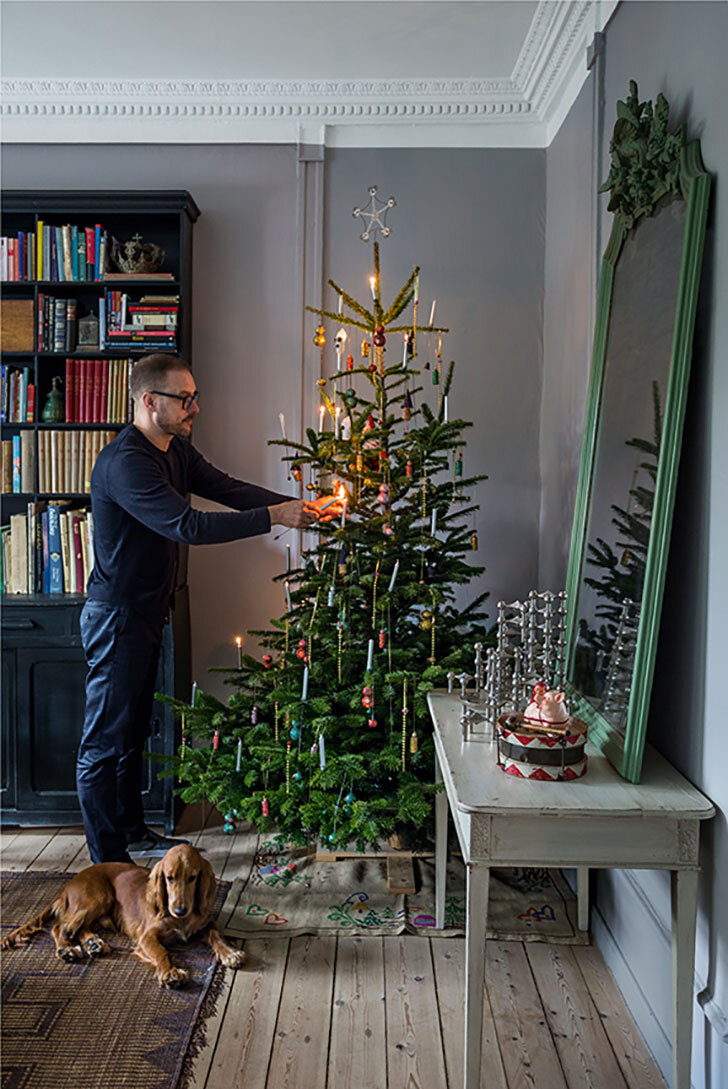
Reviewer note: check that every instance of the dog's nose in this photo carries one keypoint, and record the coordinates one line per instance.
(180, 911)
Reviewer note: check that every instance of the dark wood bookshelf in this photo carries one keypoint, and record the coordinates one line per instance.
(43, 665)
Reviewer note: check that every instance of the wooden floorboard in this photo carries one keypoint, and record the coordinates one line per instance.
(449, 960)
(357, 1058)
(387, 1013)
(586, 1055)
(300, 1044)
(637, 1065)
(414, 1046)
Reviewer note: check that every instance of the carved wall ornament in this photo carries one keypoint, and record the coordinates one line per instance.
(646, 158)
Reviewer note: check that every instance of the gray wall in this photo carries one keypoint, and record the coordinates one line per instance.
(676, 48)
(473, 219)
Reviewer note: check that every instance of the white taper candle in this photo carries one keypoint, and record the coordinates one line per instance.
(433, 524)
(432, 312)
(282, 419)
(322, 410)
(304, 690)
(395, 569)
(239, 758)
(370, 655)
(322, 752)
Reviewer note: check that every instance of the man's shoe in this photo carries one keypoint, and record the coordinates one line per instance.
(152, 845)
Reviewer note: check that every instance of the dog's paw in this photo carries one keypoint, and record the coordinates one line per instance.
(232, 958)
(96, 946)
(174, 978)
(71, 953)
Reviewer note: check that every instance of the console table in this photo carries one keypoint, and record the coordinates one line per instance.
(600, 821)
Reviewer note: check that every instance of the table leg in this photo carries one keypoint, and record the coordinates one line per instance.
(582, 897)
(684, 904)
(440, 848)
(476, 923)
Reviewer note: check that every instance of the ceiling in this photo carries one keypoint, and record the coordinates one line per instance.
(339, 72)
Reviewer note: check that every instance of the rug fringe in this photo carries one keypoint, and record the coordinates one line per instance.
(198, 1040)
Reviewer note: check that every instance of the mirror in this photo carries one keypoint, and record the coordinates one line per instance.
(635, 410)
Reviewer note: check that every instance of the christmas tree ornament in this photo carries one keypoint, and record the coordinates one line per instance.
(297, 473)
(342, 560)
(350, 362)
(387, 530)
(435, 378)
(350, 798)
(474, 541)
(254, 715)
(297, 776)
(294, 731)
(408, 468)
(426, 620)
(427, 365)
(288, 768)
(372, 367)
(367, 698)
(372, 723)
(365, 349)
(374, 215)
(459, 464)
(330, 601)
(277, 715)
(346, 428)
(320, 336)
(405, 712)
(340, 340)
(228, 827)
(379, 339)
(216, 740)
(264, 807)
(414, 742)
(267, 660)
(183, 747)
(382, 638)
(407, 406)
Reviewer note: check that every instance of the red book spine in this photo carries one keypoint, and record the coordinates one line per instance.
(11, 259)
(96, 410)
(77, 390)
(82, 378)
(103, 418)
(90, 247)
(69, 391)
(88, 399)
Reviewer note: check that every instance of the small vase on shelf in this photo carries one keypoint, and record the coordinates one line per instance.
(54, 410)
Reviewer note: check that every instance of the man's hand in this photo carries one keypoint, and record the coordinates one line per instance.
(296, 514)
(333, 504)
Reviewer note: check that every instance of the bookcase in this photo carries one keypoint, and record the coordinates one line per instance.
(43, 667)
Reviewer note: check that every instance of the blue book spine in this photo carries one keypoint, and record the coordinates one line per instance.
(54, 552)
(16, 464)
(46, 554)
(74, 252)
(97, 252)
(4, 401)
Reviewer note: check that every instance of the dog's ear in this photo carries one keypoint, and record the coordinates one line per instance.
(206, 886)
(157, 891)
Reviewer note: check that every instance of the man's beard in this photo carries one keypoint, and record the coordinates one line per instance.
(182, 429)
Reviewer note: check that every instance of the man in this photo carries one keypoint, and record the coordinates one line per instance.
(139, 489)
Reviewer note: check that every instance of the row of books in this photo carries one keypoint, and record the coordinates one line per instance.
(17, 465)
(17, 395)
(47, 550)
(65, 461)
(97, 390)
(149, 323)
(54, 253)
(57, 330)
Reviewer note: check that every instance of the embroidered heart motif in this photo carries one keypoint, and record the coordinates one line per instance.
(540, 915)
(423, 920)
(254, 909)
(272, 919)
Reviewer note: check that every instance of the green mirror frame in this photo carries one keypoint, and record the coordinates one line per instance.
(647, 163)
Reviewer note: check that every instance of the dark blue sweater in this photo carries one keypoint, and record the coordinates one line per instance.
(141, 514)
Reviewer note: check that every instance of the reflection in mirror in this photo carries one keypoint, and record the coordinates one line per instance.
(634, 387)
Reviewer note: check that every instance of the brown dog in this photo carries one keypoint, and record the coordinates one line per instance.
(173, 901)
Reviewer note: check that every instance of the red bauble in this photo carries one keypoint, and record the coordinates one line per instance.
(372, 367)
(300, 652)
(264, 807)
(372, 723)
(379, 340)
(267, 661)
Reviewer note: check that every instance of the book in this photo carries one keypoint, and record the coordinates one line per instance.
(30, 414)
(7, 466)
(67, 258)
(16, 464)
(121, 276)
(54, 551)
(75, 439)
(53, 436)
(42, 461)
(76, 553)
(46, 553)
(27, 462)
(71, 311)
(19, 547)
(17, 319)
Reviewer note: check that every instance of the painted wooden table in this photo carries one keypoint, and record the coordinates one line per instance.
(600, 821)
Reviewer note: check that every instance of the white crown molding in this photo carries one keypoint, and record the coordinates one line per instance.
(510, 112)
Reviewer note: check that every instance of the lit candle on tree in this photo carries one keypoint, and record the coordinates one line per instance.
(372, 282)
(432, 312)
(282, 419)
(239, 645)
(322, 410)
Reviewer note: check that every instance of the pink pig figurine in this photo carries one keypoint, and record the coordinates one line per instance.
(546, 709)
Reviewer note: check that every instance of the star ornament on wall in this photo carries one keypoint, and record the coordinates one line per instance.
(374, 214)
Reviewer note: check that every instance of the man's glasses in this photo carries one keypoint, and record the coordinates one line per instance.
(187, 399)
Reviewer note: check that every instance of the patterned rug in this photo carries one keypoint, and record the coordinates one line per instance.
(290, 893)
(101, 1024)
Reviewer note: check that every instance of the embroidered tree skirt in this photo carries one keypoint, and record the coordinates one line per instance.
(101, 1024)
(290, 893)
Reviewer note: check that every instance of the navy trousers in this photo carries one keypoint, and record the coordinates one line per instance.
(122, 654)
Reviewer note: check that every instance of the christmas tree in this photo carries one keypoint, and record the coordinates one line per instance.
(328, 737)
(622, 568)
